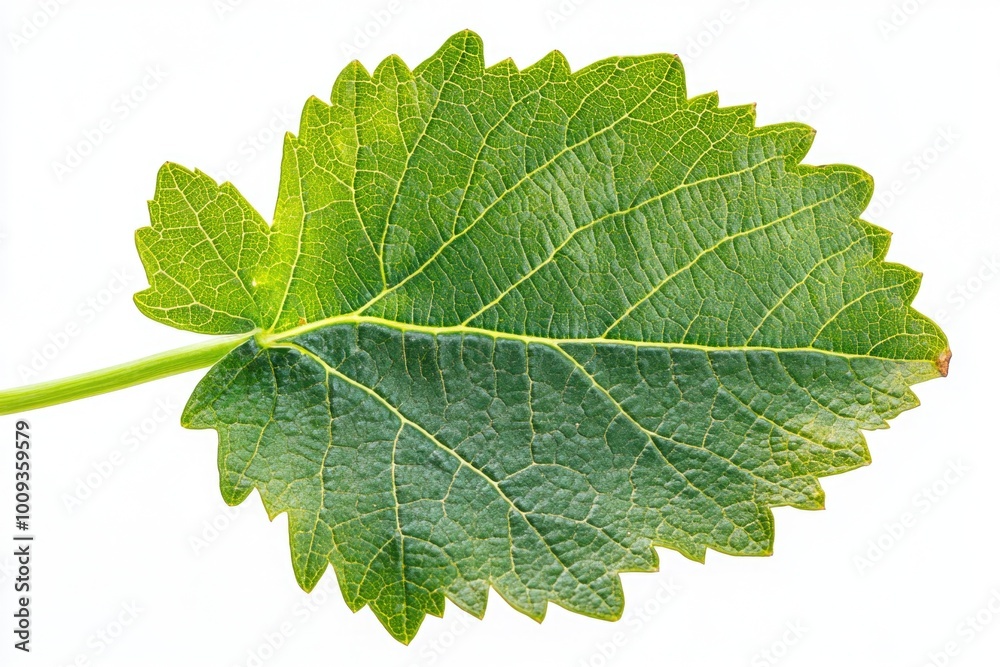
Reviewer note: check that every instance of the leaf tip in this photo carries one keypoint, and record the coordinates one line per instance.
(943, 362)
(559, 61)
(465, 41)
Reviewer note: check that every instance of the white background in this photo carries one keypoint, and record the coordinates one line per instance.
(906, 90)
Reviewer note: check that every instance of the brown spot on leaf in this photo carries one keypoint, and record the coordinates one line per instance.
(302, 321)
(943, 361)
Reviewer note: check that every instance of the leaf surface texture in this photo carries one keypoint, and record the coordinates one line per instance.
(514, 328)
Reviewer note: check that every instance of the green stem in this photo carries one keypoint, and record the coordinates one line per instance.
(158, 366)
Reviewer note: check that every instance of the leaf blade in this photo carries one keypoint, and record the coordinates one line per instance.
(518, 327)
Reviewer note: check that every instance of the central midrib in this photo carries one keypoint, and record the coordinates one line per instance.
(269, 339)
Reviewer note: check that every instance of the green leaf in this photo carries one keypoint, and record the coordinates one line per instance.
(516, 328)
